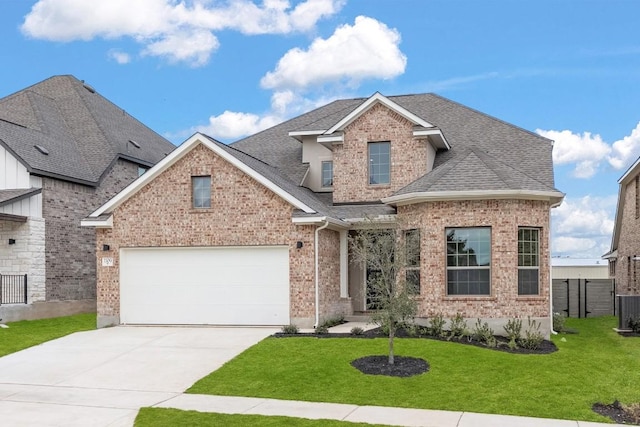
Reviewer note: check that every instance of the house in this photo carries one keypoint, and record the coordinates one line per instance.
(64, 151)
(257, 232)
(624, 255)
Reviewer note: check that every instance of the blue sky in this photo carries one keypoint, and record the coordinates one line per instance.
(567, 70)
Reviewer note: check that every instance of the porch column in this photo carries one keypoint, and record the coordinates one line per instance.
(344, 265)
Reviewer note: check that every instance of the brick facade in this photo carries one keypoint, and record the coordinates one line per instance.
(331, 305)
(503, 217)
(70, 261)
(243, 212)
(627, 271)
(351, 159)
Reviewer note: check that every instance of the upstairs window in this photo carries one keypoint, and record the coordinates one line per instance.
(468, 261)
(528, 261)
(327, 174)
(201, 186)
(379, 163)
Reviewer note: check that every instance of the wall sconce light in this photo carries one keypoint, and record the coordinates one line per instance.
(299, 245)
(12, 241)
(106, 247)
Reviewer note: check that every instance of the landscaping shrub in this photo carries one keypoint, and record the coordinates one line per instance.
(532, 335)
(458, 326)
(484, 334)
(333, 321)
(513, 329)
(290, 329)
(634, 324)
(357, 330)
(322, 330)
(559, 321)
(436, 325)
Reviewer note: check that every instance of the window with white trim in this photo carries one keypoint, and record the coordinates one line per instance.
(528, 261)
(412, 255)
(468, 261)
(327, 174)
(201, 191)
(379, 162)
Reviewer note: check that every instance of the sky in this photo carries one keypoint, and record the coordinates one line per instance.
(568, 70)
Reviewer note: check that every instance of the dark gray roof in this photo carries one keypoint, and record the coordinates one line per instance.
(525, 155)
(474, 169)
(14, 195)
(83, 132)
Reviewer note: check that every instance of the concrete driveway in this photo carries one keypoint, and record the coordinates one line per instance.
(101, 378)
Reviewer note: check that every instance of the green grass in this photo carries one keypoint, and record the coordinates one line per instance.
(27, 333)
(595, 365)
(163, 417)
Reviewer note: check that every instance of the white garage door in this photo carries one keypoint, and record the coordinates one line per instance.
(205, 286)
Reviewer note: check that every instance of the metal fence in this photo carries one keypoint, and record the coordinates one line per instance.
(628, 308)
(13, 289)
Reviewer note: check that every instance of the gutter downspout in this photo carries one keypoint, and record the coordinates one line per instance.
(325, 225)
(551, 283)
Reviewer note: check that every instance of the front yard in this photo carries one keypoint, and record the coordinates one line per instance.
(27, 333)
(596, 365)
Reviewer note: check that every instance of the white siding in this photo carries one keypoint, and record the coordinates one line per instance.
(13, 174)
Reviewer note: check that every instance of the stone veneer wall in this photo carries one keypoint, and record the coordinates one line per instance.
(627, 274)
(504, 217)
(70, 254)
(26, 256)
(331, 305)
(351, 159)
(243, 212)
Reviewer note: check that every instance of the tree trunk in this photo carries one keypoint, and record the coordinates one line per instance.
(392, 331)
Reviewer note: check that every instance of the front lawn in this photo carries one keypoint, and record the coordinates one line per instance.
(162, 417)
(596, 365)
(27, 333)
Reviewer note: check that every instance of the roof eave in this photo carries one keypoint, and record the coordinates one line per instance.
(554, 197)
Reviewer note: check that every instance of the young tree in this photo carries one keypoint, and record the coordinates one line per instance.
(384, 253)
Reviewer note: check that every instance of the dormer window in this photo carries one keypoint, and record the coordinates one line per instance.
(379, 163)
(327, 174)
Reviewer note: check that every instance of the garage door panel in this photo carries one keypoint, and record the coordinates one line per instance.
(243, 285)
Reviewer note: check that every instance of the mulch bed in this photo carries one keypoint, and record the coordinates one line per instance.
(628, 334)
(545, 347)
(402, 366)
(616, 413)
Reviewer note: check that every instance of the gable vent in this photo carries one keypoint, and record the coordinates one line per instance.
(41, 149)
(135, 144)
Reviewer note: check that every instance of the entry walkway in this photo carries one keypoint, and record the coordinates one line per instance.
(361, 414)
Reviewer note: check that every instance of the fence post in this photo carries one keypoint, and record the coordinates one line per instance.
(25, 288)
(1, 289)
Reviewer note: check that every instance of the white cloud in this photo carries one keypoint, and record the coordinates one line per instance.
(588, 151)
(119, 56)
(626, 150)
(583, 227)
(232, 125)
(574, 245)
(367, 49)
(178, 30)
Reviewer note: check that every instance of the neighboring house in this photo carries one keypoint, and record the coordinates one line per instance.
(257, 232)
(624, 256)
(64, 150)
(582, 287)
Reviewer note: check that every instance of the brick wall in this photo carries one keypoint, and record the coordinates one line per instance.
(331, 305)
(504, 217)
(351, 159)
(243, 212)
(627, 273)
(70, 249)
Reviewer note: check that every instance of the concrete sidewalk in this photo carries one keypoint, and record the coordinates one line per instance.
(362, 414)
